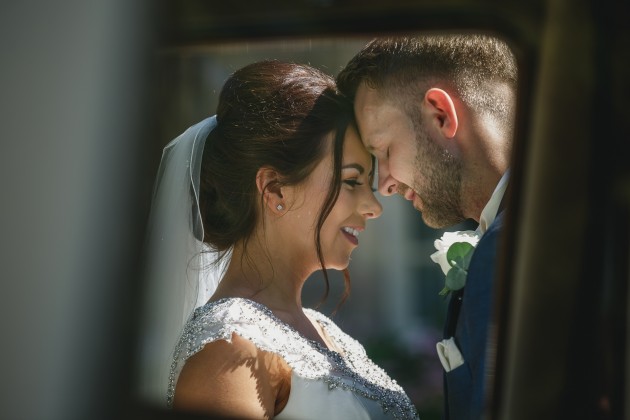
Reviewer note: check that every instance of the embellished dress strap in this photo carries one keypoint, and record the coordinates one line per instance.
(361, 375)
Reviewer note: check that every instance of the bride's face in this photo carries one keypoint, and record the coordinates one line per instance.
(355, 205)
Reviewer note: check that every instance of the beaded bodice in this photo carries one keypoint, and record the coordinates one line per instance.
(350, 370)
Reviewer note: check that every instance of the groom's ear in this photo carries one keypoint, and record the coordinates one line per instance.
(269, 185)
(442, 111)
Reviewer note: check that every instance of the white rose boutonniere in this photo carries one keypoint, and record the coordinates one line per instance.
(454, 250)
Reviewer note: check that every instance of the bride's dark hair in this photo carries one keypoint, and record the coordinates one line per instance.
(270, 114)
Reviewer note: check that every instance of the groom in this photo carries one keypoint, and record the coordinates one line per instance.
(438, 113)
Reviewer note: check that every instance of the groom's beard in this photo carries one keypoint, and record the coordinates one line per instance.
(437, 182)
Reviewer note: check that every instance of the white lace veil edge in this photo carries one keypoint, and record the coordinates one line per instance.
(181, 273)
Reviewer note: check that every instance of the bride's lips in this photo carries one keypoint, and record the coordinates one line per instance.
(351, 234)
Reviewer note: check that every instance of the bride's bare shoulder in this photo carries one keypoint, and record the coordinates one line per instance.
(233, 378)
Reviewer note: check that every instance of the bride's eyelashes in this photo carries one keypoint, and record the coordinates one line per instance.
(355, 183)
(352, 182)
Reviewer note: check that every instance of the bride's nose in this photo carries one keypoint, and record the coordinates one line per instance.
(372, 208)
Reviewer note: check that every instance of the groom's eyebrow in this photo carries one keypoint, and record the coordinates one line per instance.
(356, 166)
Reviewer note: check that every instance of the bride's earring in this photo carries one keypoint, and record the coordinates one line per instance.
(280, 207)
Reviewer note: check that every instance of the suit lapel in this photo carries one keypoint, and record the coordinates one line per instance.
(452, 314)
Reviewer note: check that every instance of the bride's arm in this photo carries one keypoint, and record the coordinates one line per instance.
(233, 379)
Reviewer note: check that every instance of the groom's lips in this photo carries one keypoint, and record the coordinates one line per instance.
(417, 203)
(414, 198)
(409, 194)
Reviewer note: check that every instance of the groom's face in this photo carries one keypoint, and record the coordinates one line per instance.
(410, 163)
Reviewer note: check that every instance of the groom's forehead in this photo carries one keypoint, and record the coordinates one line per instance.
(367, 96)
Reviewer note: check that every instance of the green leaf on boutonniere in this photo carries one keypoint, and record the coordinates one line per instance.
(455, 279)
(458, 256)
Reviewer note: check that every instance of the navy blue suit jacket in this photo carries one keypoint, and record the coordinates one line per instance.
(467, 320)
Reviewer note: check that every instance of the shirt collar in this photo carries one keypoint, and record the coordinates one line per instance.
(489, 212)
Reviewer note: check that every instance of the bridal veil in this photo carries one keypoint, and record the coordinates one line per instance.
(180, 273)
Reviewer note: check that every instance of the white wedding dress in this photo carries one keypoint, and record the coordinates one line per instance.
(324, 384)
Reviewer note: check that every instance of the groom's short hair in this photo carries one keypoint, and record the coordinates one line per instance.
(403, 68)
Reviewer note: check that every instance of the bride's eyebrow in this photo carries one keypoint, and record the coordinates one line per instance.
(356, 166)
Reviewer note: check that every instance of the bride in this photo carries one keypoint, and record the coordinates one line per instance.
(273, 188)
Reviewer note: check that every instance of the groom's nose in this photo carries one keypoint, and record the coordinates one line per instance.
(387, 185)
